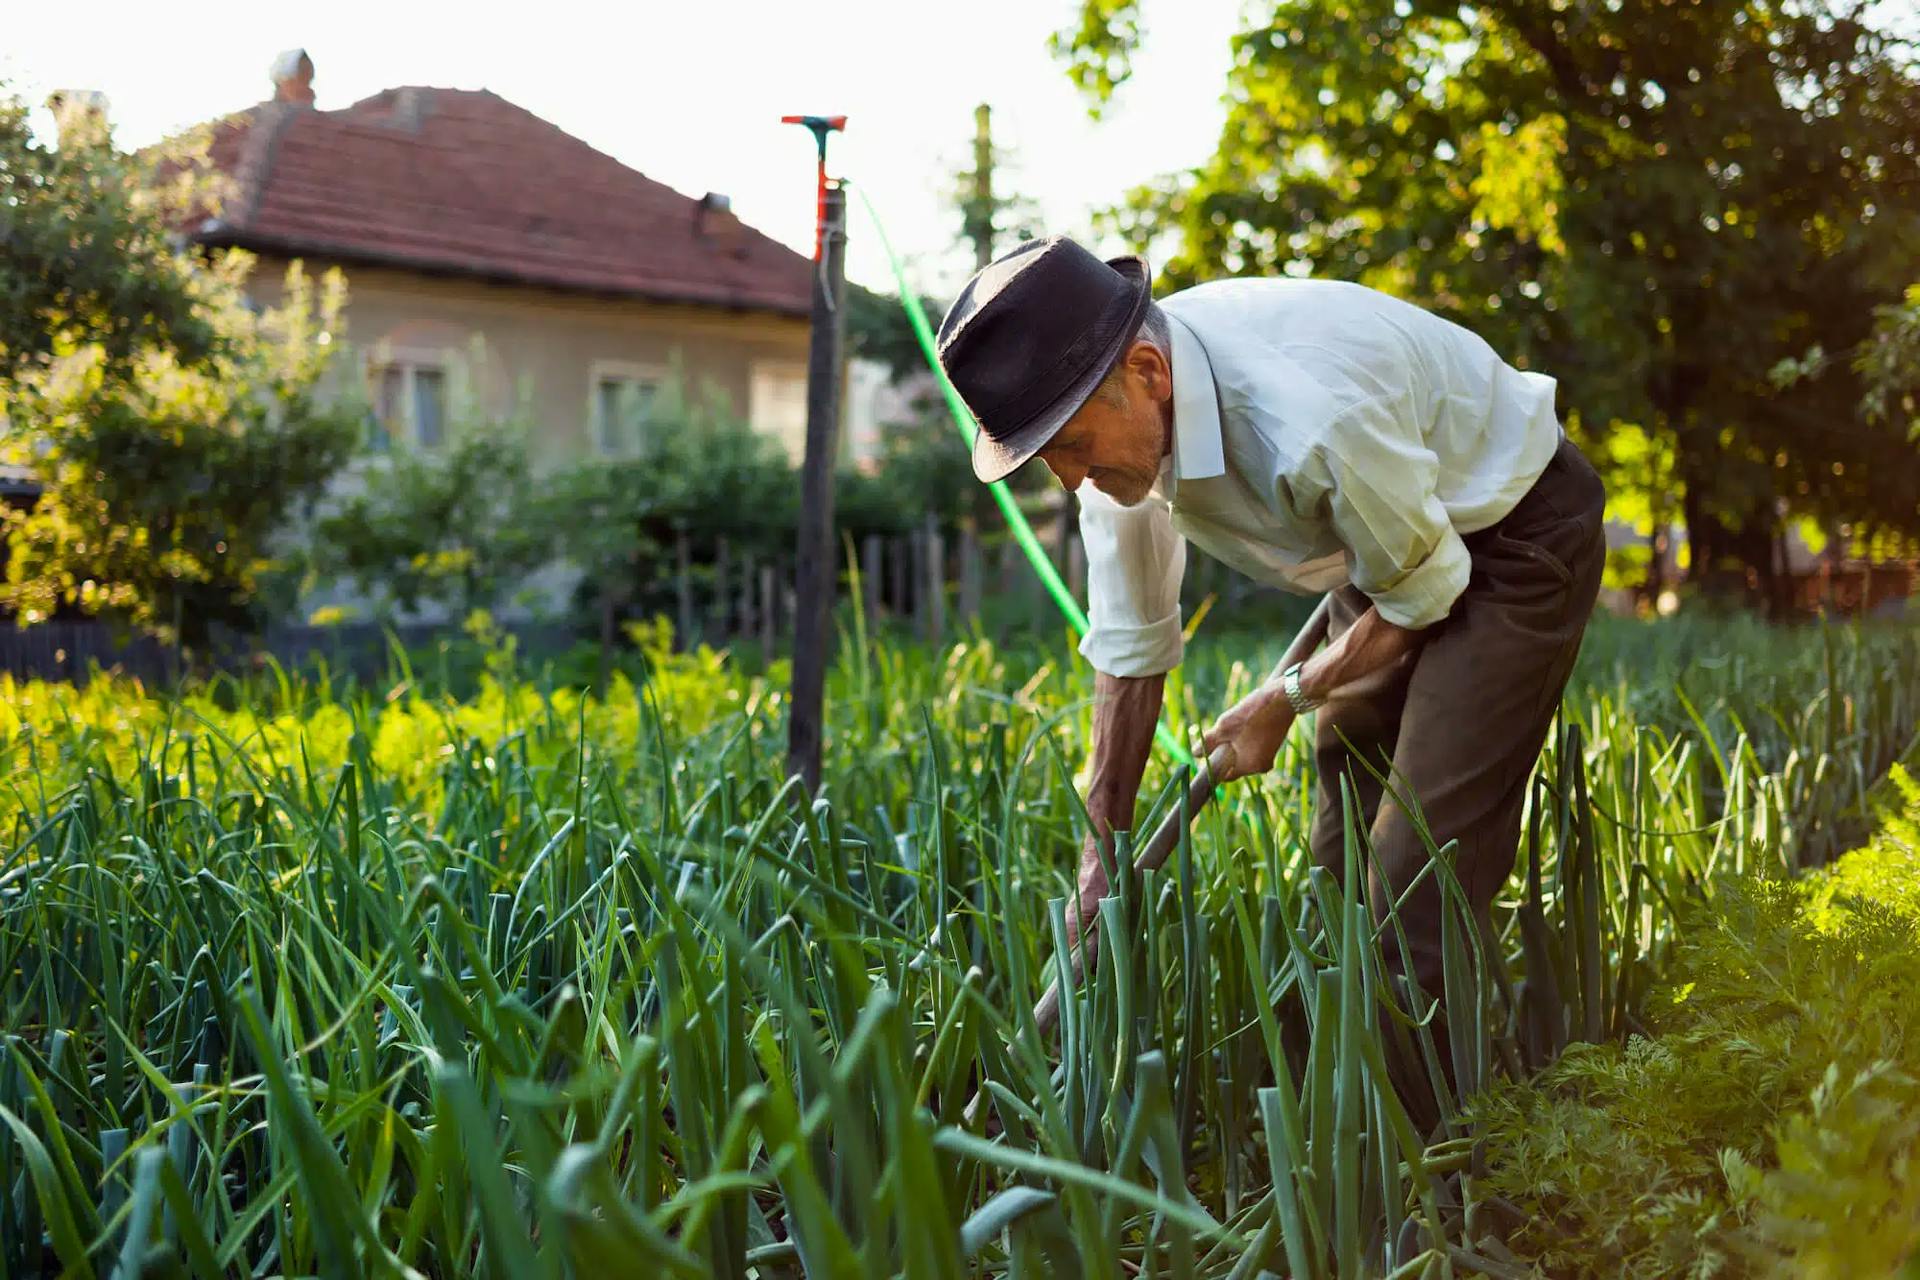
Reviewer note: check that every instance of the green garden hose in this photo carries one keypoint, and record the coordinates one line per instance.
(1016, 519)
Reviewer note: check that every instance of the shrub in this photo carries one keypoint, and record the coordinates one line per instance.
(456, 526)
(1771, 1126)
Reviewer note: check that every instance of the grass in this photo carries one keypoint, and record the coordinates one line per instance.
(303, 977)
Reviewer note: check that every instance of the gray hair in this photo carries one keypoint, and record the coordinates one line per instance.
(1155, 329)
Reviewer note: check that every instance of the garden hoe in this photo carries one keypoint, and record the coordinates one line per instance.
(1166, 837)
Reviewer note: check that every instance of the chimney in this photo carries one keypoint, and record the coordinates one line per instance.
(81, 115)
(713, 220)
(292, 74)
(410, 106)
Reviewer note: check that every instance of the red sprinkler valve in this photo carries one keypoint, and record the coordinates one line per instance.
(821, 126)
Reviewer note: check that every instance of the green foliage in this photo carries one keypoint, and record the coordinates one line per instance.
(923, 470)
(86, 260)
(877, 329)
(167, 480)
(1890, 365)
(1099, 52)
(1771, 1126)
(461, 525)
(618, 521)
(1656, 204)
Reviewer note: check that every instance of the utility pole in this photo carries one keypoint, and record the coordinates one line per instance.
(813, 551)
(980, 207)
(980, 228)
(980, 224)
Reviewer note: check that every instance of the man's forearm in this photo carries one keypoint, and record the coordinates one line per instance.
(1370, 645)
(1126, 709)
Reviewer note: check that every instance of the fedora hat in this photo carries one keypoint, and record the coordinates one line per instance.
(1030, 337)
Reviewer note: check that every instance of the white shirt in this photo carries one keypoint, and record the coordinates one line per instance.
(1323, 433)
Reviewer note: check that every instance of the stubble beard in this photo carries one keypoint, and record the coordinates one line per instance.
(1129, 479)
(1129, 489)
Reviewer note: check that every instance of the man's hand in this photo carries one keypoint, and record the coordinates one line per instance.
(1254, 728)
(1093, 887)
(1368, 654)
(1125, 711)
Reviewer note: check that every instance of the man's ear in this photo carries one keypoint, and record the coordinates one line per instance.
(1149, 363)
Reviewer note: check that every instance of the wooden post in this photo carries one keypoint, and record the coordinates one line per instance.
(970, 572)
(1032, 592)
(606, 638)
(769, 612)
(1077, 567)
(917, 571)
(683, 589)
(746, 614)
(870, 577)
(899, 554)
(722, 569)
(934, 578)
(814, 570)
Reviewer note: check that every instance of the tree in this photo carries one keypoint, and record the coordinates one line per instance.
(166, 483)
(987, 210)
(1887, 364)
(878, 329)
(1656, 202)
(174, 428)
(87, 260)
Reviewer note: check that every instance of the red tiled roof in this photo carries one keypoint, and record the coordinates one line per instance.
(452, 180)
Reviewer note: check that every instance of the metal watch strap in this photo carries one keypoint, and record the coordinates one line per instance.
(1290, 685)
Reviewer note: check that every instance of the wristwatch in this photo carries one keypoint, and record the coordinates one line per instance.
(1290, 685)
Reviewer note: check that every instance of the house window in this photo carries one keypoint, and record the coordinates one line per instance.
(777, 403)
(622, 406)
(410, 402)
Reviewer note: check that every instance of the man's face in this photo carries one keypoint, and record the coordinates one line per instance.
(1119, 435)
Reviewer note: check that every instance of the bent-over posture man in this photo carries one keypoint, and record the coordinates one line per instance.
(1318, 436)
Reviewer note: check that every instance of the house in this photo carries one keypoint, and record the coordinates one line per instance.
(498, 266)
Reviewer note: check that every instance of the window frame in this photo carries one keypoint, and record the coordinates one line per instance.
(409, 361)
(783, 367)
(630, 371)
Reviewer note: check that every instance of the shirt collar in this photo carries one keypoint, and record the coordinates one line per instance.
(1197, 450)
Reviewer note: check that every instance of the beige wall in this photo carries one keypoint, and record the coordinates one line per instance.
(539, 352)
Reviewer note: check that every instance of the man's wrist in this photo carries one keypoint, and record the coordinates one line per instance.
(1294, 690)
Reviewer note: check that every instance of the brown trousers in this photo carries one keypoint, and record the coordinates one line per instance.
(1459, 725)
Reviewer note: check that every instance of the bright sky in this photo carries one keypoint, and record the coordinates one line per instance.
(691, 93)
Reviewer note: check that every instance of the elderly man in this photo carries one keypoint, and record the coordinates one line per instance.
(1323, 437)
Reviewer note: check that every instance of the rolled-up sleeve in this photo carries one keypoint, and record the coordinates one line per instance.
(1403, 552)
(1135, 561)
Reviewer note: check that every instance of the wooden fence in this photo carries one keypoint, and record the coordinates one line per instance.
(930, 583)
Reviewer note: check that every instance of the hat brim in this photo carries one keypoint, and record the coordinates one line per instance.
(997, 459)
